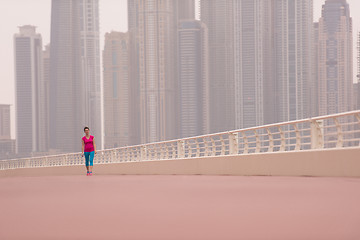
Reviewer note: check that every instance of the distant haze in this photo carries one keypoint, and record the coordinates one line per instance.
(113, 16)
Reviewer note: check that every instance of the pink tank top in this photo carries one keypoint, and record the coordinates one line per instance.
(89, 144)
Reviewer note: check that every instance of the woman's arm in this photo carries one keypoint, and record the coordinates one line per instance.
(82, 147)
(94, 145)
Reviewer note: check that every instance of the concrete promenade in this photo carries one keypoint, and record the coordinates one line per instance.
(171, 207)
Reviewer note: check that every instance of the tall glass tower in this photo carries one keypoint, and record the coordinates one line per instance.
(75, 99)
(335, 67)
(31, 92)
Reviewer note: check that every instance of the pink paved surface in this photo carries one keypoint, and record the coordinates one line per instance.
(179, 207)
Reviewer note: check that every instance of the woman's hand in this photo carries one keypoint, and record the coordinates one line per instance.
(95, 152)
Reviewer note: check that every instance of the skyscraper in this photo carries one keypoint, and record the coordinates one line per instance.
(335, 58)
(117, 90)
(254, 86)
(193, 78)
(153, 31)
(219, 18)
(358, 73)
(7, 145)
(90, 65)
(260, 61)
(293, 42)
(315, 83)
(75, 73)
(46, 85)
(4, 121)
(30, 92)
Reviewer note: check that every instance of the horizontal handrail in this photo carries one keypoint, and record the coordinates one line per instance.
(332, 131)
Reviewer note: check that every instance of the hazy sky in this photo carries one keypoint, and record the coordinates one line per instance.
(113, 16)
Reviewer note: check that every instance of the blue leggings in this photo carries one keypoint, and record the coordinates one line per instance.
(89, 158)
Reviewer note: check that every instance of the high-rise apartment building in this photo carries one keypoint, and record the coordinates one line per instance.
(46, 88)
(315, 82)
(193, 78)
(254, 86)
(75, 73)
(90, 65)
(335, 68)
(117, 90)
(293, 42)
(358, 73)
(153, 32)
(5, 131)
(7, 145)
(218, 16)
(31, 92)
(260, 61)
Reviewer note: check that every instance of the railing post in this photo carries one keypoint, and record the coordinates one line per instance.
(358, 119)
(233, 143)
(298, 138)
(246, 143)
(222, 145)
(316, 134)
(113, 157)
(181, 149)
(340, 137)
(161, 153)
(46, 161)
(258, 143)
(27, 163)
(64, 160)
(282, 139)
(213, 147)
(271, 140)
(197, 148)
(143, 153)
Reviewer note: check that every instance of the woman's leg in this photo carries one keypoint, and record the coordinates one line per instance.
(92, 154)
(87, 161)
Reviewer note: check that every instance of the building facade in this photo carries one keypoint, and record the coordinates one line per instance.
(153, 32)
(7, 145)
(260, 61)
(75, 73)
(90, 65)
(117, 90)
(45, 122)
(293, 41)
(335, 68)
(254, 86)
(315, 83)
(193, 78)
(5, 130)
(218, 16)
(30, 92)
(357, 104)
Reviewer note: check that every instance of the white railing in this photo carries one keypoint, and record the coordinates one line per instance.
(333, 131)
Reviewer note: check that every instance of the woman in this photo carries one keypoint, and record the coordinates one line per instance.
(88, 149)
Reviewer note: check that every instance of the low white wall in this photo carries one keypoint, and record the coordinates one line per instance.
(320, 163)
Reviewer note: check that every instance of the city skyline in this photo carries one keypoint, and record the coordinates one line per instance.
(135, 107)
(45, 42)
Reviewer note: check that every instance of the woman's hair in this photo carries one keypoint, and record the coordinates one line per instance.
(86, 128)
